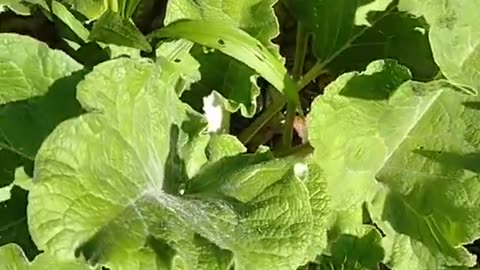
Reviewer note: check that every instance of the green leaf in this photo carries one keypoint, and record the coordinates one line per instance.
(21, 58)
(25, 124)
(38, 91)
(239, 87)
(127, 7)
(225, 145)
(16, 6)
(453, 28)
(356, 253)
(113, 194)
(396, 35)
(111, 28)
(336, 25)
(237, 44)
(73, 24)
(184, 66)
(236, 176)
(91, 9)
(12, 257)
(412, 154)
(316, 184)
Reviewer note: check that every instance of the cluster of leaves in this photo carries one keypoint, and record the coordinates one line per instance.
(116, 151)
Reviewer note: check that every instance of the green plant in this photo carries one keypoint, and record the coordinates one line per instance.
(119, 150)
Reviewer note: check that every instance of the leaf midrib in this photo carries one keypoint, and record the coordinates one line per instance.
(348, 44)
(411, 128)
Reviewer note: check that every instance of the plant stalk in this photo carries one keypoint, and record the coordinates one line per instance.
(298, 151)
(287, 137)
(300, 54)
(278, 104)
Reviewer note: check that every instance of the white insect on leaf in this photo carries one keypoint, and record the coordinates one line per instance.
(214, 110)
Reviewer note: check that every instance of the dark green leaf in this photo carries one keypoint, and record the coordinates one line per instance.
(14, 224)
(111, 28)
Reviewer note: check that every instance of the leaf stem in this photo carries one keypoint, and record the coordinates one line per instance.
(317, 70)
(298, 151)
(275, 107)
(288, 127)
(300, 54)
(278, 104)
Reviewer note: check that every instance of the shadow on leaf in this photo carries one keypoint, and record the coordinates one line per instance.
(378, 82)
(25, 124)
(468, 161)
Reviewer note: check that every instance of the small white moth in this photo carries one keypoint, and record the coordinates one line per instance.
(217, 116)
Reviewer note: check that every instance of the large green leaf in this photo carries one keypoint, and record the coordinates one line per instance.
(37, 88)
(12, 257)
(270, 189)
(453, 28)
(396, 35)
(109, 185)
(336, 24)
(37, 91)
(413, 155)
(348, 34)
(239, 87)
(28, 67)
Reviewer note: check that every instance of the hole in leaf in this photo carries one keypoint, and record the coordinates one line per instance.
(177, 60)
(259, 57)
(221, 42)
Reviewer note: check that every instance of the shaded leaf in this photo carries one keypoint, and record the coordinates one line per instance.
(335, 24)
(111, 28)
(452, 29)
(396, 35)
(91, 9)
(355, 253)
(14, 224)
(20, 60)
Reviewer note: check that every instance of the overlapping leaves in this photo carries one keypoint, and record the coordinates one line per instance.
(239, 85)
(37, 91)
(452, 29)
(136, 183)
(118, 196)
(349, 34)
(410, 157)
